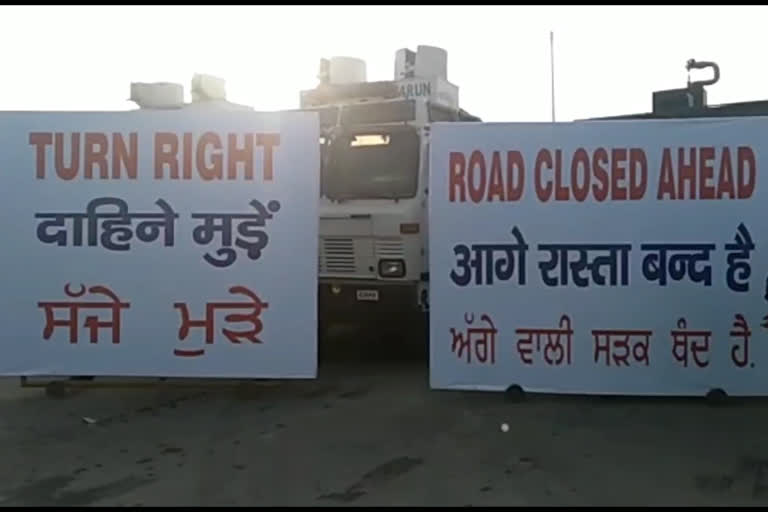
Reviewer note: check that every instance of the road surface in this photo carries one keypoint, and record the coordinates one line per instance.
(374, 435)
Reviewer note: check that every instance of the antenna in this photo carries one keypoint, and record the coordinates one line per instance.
(552, 69)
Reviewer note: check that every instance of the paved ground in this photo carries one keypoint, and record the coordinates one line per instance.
(374, 435)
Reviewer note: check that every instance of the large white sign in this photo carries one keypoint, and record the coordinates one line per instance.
(623, 257)
(159, 244)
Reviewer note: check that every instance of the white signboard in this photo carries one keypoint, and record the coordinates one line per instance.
(624, 257)
(159, 243)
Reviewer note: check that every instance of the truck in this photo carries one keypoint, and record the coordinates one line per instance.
(373, 247)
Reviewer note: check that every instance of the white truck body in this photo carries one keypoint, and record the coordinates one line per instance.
(369, 229)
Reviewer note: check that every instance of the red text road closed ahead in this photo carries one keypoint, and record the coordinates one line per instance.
(603, 174)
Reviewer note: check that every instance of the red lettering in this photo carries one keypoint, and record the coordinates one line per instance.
(478, 340)
(515, 162)
(125, 156)
(457, 164)
(580, 158)
(92, 322)
(166, 148)
(40, 140)
(707, 173)
(96, 146)
(740, 330)
(268, 141)
(685, 341)
(725, 177)
(495, 187)
(561, 192)
(544, 158)
(600, 187)
(95, 154)
(681, 182)
(214, 171)
(482, 185)
(66, 172)
(666, 176)
(236, 155)
(205, 155)
(746, 172)
(617, 347)
(476, 192)
(252, 312)
(187, 146)
(618, 157)
(686, 172)
(556, 351)
(638, 164)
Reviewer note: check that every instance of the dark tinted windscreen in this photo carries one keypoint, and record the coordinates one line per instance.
(380, 164)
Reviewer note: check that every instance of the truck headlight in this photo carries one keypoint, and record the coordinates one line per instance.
(392, 268)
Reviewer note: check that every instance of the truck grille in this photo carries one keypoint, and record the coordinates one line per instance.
(389, 249)
(356, 257)
(337, 256)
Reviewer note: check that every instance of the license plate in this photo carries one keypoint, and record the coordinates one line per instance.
(368, 295)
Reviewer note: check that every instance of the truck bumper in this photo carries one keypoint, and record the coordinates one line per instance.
(363, 297)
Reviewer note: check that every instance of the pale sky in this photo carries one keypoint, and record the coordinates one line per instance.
(608, 60)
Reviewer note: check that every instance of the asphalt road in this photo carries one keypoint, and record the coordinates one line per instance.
(374, 435)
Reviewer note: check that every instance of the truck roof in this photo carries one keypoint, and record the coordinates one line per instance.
(387, 111)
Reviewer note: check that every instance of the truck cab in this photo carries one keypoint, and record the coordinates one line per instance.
(373, 258)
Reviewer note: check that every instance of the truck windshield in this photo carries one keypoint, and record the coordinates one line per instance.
(380, 164)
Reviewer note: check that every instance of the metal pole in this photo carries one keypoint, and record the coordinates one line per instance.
(552, 69)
